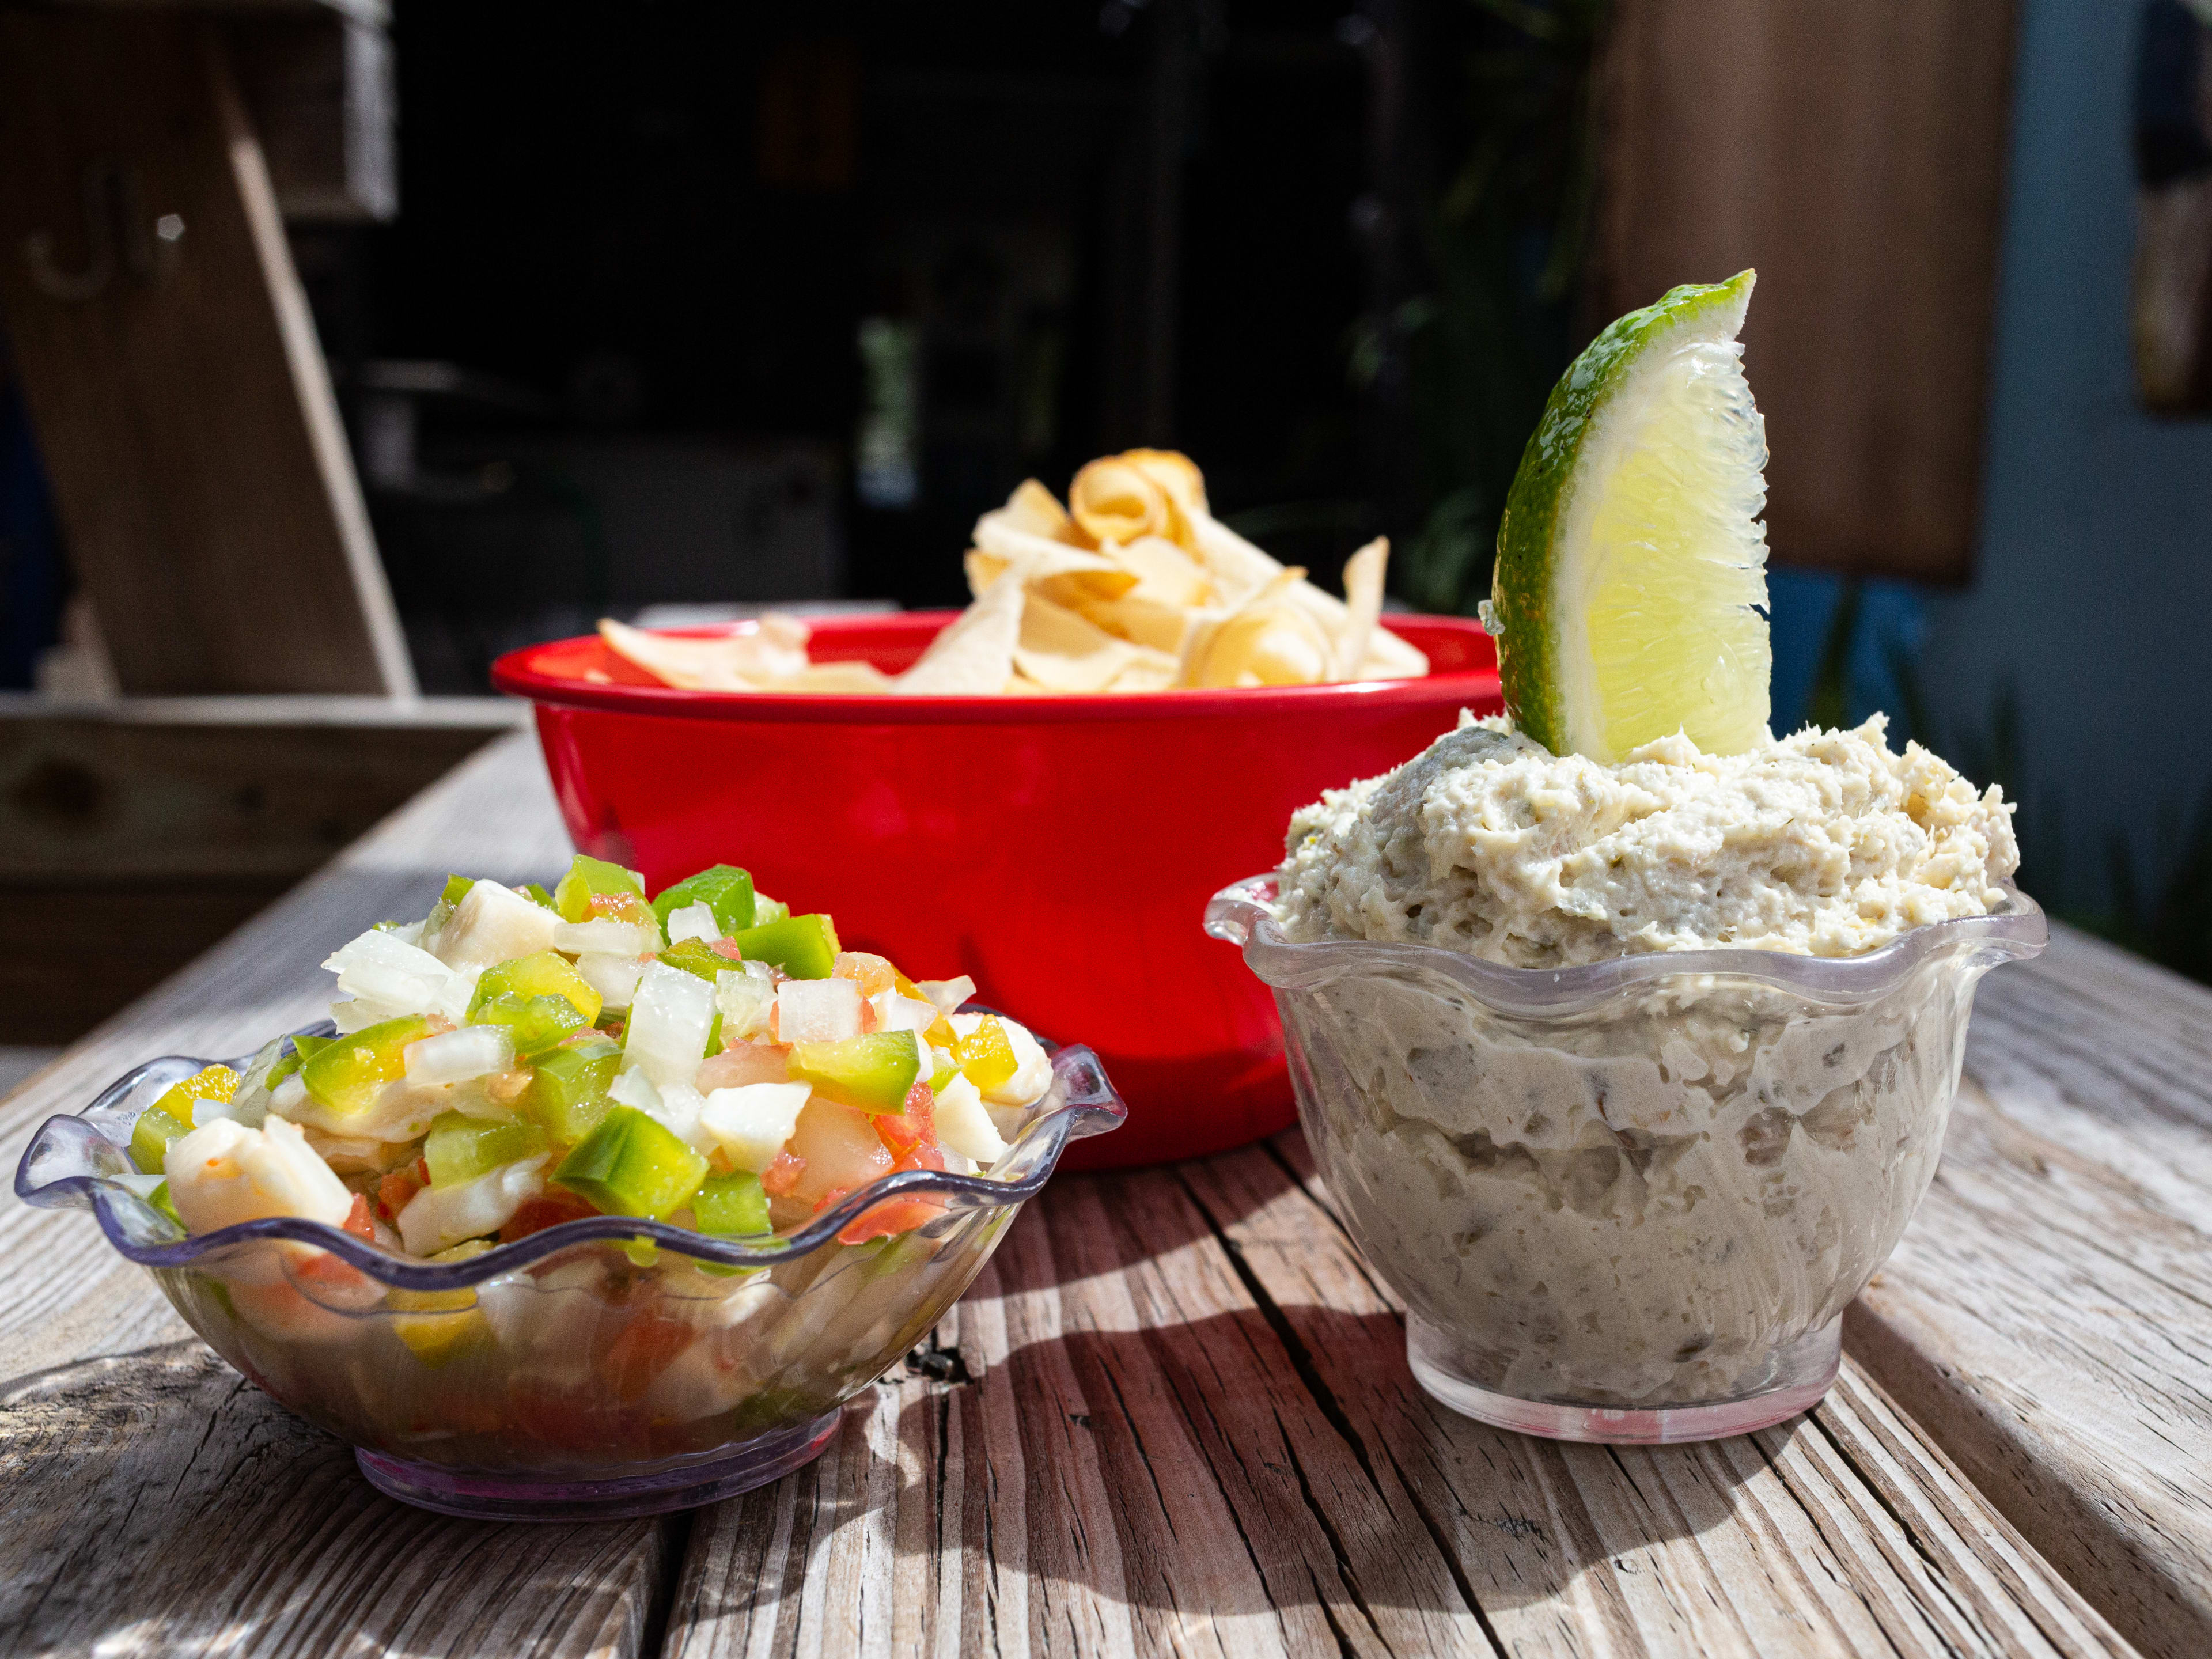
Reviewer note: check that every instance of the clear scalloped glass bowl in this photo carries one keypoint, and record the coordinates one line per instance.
(599, 1368)
(1626, 1202)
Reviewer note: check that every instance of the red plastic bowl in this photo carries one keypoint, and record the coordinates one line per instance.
(1059, 849)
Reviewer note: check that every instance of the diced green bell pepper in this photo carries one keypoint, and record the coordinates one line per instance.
(457, 889)
(766, 909)
(873, 1073)
(722, 888)
(633, 1164)
(805, 947)
(548, 974)
(533, 1024)
(150, 1138)
(460, 1148)
(589, 877)
(731, 1206)
(347, 1073)
(568, 1090)
(940, 1081)
(159, 1198)
(536, 893)
(695, 958)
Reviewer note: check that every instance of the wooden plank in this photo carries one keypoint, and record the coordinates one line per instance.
(1854, 155)
(183, 791)
(179, 397)
(1186, 1426)
(2049, 1314)
(134, 834)
(152, 1502)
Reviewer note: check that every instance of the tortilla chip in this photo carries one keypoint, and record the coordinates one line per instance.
(1063, 652)
(1239, 569)
(1269, 640)
(771, 649)
(1363, 597)
(974, 655)
(827, 678)
(1114, 499)
(1165, 572)
(1153, 623)
(999, 546)
(1037, 510)
(1174, 472)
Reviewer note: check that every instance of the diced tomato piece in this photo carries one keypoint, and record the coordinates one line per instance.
(874, 975)
(916, 1126)
(397, 1189)
(548, 1209)
(928, 1156)
(646, 1346)
(327, 1274)
(780, 1176)
(621, 907)
(889, 1218)
(836, 1195)
(727, 948)
(357, 1222)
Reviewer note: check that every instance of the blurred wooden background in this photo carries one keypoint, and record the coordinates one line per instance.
(1855, 155)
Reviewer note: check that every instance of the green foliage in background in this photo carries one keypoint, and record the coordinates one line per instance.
(2158, 906)
(1505, 241)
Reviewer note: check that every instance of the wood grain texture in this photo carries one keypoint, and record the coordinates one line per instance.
(1186, 1426)
(153, 1501)
(1855, 155)
(181, 403)
(2049, 1314)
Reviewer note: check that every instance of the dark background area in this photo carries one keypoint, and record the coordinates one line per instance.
(610, 352)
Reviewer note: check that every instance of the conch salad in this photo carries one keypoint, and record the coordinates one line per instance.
(520, 1057)
(1132, 586)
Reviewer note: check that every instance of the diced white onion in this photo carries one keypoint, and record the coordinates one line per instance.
(495, 924)
(680, 1106)
(817, 1010)
(669, 1020)
(694, 922)
(606, 934)
(438, 1217)
(380, 968)
(745, 992)
(614, 974)
(895, 1012)
(751, 1121)
(206, 1111)
(964, 1125)
(290, 1093)
(948, 994)
(634, 1088)
(456, 1056)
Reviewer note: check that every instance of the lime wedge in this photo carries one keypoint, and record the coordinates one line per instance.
(1631, 571)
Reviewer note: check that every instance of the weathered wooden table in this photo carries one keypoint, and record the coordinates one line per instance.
(1177, 1417)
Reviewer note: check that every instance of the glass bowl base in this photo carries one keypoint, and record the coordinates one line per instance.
(1795, 1379)
(484, 1496)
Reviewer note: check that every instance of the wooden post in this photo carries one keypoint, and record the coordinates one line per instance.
(1855, 155)
(170, 365)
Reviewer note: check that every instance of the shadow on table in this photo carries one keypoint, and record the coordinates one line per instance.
(157, 1502)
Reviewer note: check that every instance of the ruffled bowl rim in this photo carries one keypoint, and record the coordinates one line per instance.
(1240, 914)
(73, 1162)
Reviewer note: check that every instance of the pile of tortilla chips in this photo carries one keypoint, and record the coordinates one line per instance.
(1134, 586)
